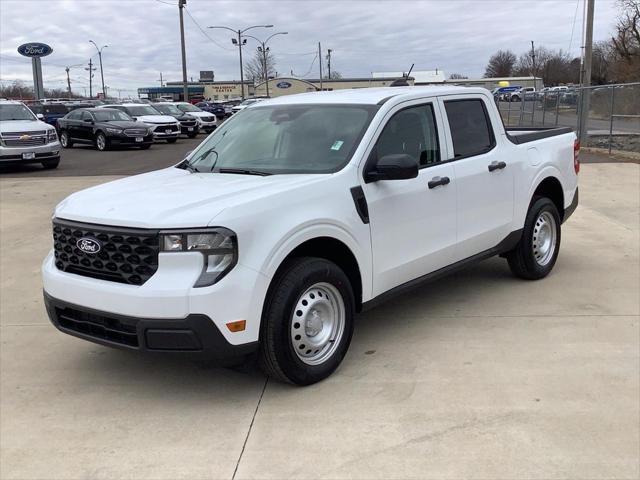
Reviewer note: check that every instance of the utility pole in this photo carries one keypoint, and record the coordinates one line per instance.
(586, 78)
(185, 87)
(161, 82)
(533, 59)
(101, 70)
(66, 69)
(320, 63)
(262, 48)
(329, 62)
(91, 69)
(241, 68)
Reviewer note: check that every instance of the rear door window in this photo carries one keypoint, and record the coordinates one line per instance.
(470, 127)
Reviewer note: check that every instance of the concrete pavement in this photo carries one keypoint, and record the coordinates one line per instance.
(478, 375)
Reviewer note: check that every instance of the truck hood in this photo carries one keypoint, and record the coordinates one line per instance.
(156, 118)
(23, 126)
(199, 114)
(172, 198)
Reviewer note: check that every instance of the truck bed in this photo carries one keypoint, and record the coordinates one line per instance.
(520, 135)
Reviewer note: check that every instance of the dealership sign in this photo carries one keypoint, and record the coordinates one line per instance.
(35, 49)
(283, 84)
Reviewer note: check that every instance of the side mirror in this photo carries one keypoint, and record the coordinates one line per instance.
(39, 116)
(393, 167)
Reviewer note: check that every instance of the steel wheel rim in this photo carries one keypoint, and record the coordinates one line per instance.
(63, 139)
(317, 323)
(545, 234)
(101, 142)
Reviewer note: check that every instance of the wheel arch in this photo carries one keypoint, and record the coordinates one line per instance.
(551, 188)
(332, 249)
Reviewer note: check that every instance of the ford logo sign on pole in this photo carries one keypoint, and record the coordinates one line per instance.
(283, 84)
(35, 51)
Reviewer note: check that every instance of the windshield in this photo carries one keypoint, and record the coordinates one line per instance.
(110, 115)
(15, 111)
(142, 110)
(285, 139)
(168, 109)
(187, 107)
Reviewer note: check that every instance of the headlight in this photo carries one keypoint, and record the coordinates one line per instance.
(113, 130)
(52, 136)
(219, 246)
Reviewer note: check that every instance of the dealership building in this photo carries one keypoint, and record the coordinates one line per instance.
(276, 87)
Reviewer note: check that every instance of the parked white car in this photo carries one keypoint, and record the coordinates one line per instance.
(24, 138)
(207, 122)
(247, 103)
(164, 127)
(300, 212)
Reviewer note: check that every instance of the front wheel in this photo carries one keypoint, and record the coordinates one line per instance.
(65, 140)
(307, 322)
(538, 248)
(101, 142)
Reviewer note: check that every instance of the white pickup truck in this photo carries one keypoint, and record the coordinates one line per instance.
(301, 211)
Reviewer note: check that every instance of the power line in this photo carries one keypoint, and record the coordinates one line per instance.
(204, 32)
(573, 25)
(311, 67)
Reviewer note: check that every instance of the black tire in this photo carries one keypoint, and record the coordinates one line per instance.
(522, 259)
(66, 142)
(51, 164)
(277, 356)
(172, 140)
(101, 142)
(145, 147)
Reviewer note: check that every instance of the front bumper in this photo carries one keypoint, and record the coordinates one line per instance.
(49, 151)
(162, 132)
(189, 129)
(194, 335)
(168, 295)
(125, 140)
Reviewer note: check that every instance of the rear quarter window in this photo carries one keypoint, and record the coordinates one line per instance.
(471, 129)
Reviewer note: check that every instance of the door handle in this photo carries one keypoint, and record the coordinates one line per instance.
(437, 181)
(496, 166)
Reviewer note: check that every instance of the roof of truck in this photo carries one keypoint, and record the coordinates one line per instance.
(372, 96)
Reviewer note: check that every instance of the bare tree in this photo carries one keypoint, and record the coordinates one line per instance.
(626, 41)
(335, 75)
(457, 76)
(255, 68)
(500, 64)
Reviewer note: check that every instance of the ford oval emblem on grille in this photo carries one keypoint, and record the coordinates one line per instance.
(88, 245)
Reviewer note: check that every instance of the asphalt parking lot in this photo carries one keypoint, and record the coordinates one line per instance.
(477, 375)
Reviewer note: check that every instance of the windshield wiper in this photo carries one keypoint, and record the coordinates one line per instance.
(243, 171)
(187, 165)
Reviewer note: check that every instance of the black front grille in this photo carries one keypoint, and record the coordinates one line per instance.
(98, 326)
(125, 255)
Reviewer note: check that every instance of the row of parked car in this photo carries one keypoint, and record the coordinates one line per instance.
(566, 94)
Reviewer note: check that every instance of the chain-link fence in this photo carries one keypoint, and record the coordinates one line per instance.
(614, 113)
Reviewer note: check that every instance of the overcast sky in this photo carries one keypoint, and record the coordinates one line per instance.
(365, 36)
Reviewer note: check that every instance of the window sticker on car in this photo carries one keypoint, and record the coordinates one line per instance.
(337, 145)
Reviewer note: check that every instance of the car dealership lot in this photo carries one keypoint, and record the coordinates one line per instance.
(477, 375)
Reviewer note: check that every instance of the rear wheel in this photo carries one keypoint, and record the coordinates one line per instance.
(307, 321)
(101, 142)
(65, 140)
(538, 248)
(51, 164)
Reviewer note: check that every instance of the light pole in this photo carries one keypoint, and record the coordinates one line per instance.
(239, 42)
(104, 95)
(264, 50)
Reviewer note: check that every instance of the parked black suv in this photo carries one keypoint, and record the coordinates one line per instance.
(104, 128)
(188, 124)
